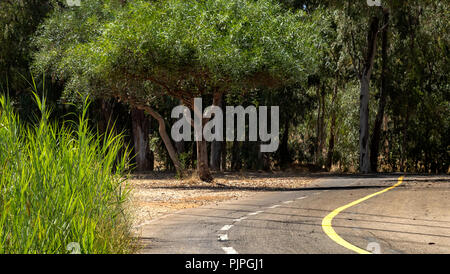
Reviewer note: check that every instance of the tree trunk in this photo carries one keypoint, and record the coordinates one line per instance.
(202, 162)
(386, 141)
(216, 146)
(165, 137)
(180, 147)
(203, 170)
(236, 163)
(284, 150)
(376, 134)
(194, 155)
(140, 128)
(318, 126)
(331, 140)
(403, 156)
(322, 121)
(364, 163)
(224, 156)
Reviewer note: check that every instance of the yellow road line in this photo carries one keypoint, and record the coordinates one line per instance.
(328, 229)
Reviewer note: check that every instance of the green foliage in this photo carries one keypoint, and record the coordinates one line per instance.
(419, 127)
(18, 21)
(60, 185)
(266, 52)
(183, 47)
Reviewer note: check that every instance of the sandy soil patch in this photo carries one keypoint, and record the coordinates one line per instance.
(157, 194)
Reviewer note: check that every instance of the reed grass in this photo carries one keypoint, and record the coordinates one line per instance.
(60, 182)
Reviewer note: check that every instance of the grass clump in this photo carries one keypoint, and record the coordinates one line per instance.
(61, 183)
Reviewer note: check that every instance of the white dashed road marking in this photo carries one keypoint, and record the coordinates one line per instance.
(240, 219)
(223, 237)
(229, 250)
(255, 213)
(226, 227)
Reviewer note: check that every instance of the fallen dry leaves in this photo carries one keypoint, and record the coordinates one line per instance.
(157, 194)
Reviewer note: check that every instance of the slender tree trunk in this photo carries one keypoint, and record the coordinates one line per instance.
(364, 163)
(322, 121)
(404, 142)
(236, 163)
(224, 156)
(285, 158)
(266, 164)
(204, 173)
(140, 128)
(202, 162)
(331, 140)
(165, 137)
(386, 140)
(180, 145)
(133, 102)
(216, 146)
(194, 155)
(376, 135)
(318, 126)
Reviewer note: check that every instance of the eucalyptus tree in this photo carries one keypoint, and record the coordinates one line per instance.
(418, 103)
(358, 28)
(412, 34)
(188, 49)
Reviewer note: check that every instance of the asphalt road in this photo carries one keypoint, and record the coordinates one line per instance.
(413, 217)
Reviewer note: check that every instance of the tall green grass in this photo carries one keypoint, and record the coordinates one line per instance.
(61, 183)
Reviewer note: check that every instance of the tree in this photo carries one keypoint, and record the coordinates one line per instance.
(187, 49)
(68, 26)
(376, 134)
(417, 124)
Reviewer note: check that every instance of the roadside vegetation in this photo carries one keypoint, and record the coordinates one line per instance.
(60, 183)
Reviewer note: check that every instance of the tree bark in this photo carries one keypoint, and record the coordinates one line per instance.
(322, 122)
(364, 161)
(202, 162)
(236, 163)
(216, 146)
(180, 145)
(140, 128)
(285, 158)
(224, 156)
(165, 137)
(204, 173)
(318, 126)
(364, 164)
(331, 140)
(376, 134)
(134, 103)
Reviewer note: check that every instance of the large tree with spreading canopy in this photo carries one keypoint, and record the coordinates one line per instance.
(184, 49)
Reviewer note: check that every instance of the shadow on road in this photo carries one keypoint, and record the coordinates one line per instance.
(228, 187)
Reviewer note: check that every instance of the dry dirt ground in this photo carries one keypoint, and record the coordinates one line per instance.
(156, 195)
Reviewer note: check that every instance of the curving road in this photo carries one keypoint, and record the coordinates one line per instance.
(413, 217)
